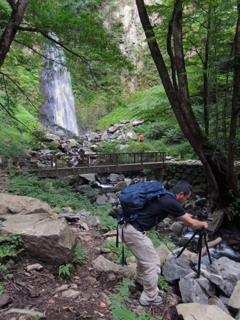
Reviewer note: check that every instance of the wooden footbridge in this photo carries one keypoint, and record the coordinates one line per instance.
(102, 163)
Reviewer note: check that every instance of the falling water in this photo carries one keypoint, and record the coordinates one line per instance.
(58, 108)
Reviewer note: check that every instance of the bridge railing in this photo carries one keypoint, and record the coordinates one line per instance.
(98, 159)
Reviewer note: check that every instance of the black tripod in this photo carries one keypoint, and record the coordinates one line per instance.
(202, 236)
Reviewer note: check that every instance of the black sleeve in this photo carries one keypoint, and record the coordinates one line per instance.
(170, 206)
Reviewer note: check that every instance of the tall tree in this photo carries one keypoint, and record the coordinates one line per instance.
(221, 184)
(15, 19)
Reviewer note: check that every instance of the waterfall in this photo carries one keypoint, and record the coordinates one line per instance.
(58, 108)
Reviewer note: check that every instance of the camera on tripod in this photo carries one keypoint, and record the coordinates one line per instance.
(203, 213)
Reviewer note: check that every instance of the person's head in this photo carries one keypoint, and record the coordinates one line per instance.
(182, 190)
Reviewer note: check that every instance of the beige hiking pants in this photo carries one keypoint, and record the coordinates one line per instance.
(148, 262)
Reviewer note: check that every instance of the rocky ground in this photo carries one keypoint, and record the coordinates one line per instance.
(86, 296)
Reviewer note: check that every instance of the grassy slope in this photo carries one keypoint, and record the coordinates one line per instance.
(160, 128)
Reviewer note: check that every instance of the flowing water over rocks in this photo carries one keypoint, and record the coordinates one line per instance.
(58, 108)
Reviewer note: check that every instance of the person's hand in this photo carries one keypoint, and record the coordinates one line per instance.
(204, 225)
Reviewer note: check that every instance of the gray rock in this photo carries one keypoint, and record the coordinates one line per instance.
(102, 199)
(137, 122)
(4, 300)
(113, 129)
(196, 311)
(61, 288)
(12, 204)
(114, 177)
(195, 290)
(176, 268)
(90, 177)
(218, 302)
(162, 252)
(32, 313)
(70, 294)
(234, 301)
(35, 266)
(177, 228)
(48, 239)
(225, 273)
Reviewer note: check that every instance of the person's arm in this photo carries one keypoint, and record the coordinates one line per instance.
(191, 222)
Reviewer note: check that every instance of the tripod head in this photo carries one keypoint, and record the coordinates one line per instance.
(203, 213)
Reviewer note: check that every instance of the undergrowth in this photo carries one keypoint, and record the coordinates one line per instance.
(57, 193)
(9, 246)
(119, 307)
(65, 271)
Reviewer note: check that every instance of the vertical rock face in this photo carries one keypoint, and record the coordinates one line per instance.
(132, 41)
(58, 108)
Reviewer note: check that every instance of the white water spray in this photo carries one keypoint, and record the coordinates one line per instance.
(58, 108)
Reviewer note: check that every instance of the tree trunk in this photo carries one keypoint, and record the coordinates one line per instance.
(206, 73)
(214, 162)
(10, 31)
(235, 103)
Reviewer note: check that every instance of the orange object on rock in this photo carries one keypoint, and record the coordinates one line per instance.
(141, 137)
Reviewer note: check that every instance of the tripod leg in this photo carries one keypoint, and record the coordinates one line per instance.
(199, 253)
(206, 244)
(186, 244)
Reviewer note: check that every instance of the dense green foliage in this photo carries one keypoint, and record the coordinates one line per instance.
(56, 193)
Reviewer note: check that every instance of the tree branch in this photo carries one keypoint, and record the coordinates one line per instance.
(39, 53)
(12, 115)
(170, 51)
(46, 35)
(19, 88)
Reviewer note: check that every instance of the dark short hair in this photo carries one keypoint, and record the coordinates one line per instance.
(182, 186)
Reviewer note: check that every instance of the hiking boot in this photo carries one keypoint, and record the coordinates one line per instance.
(135, 287)
(157, 301)
(138, 285)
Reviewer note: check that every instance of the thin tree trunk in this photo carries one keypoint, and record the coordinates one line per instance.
(235, 103)
(206, 73)
(10, 31)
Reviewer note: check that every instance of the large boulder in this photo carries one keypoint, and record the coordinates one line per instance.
(44, 235)
(196, 311)
(223, 272)
(196, 289)
(12, 204)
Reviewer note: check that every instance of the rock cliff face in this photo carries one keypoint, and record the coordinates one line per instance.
(132, 41)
